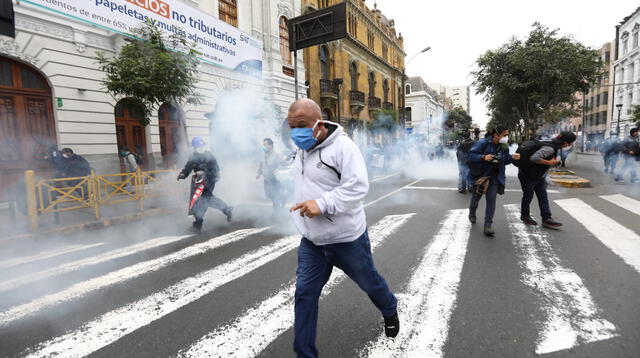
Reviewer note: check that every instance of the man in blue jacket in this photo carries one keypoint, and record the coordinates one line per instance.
(487, 160)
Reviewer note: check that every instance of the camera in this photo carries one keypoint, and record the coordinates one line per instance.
(495, 160)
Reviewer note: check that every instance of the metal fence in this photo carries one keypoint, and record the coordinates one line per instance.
(58, 195)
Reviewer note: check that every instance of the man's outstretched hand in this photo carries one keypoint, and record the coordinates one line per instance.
(307, 208)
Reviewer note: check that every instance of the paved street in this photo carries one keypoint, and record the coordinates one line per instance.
(149, 290)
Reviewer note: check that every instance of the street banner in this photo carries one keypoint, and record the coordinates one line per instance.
(219, 43)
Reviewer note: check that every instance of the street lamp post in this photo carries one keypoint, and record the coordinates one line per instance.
(619, 107)
(404, 90)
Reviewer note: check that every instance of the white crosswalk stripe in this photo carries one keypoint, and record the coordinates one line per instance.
(572, 317)
(429, 299)
(624, 202)
(116, 277)
(246, 336)
(94, 260)
(619, 239)
(46, 255)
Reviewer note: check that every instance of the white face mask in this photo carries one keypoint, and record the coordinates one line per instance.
(504, 140)
(200, 149)
(67, 156)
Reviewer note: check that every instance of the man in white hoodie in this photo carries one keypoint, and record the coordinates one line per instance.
(330, 183)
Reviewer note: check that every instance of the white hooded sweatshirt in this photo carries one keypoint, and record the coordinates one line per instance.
(339, 199)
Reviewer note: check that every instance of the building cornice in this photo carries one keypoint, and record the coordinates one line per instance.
(372, 24)
(371, 53)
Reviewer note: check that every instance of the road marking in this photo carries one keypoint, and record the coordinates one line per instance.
(94, 260)
(247, 335)
(46, 255)
(380, 178)
(430, 296)
(391, 193)
(622, 241)
(624, 202)
(127, 273)
(122, 321)
(572, 317)
(550, 191)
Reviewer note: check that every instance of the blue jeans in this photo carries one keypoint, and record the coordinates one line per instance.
(464, 182)
(315, 264)
(529, 187)
(491, 194)
(628, 165)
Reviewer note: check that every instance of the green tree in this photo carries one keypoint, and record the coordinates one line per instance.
(530, 82)
(635, 115)
(459, 119)
(153, 69)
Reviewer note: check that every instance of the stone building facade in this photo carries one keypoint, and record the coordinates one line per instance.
(357, 77)
(627, 72)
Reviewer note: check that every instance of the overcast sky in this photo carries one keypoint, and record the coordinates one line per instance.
(459, 31)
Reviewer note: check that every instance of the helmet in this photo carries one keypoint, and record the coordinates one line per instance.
(197, 142)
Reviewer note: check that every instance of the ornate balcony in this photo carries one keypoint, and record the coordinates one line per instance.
(374, 103)
(356, 101)
(328, 89)
(387, 106)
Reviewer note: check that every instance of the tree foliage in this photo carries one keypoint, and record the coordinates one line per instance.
(635, 115)
(153, 69)
(530, 82)
(458, 119)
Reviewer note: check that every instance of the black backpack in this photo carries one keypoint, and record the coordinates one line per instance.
(138, 158)
(526, 150)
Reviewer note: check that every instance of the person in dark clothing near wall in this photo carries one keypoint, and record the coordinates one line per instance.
(73, 165)
(630, 151)
(462, 154)
(487, 161)
(536, 159)
(204, 165)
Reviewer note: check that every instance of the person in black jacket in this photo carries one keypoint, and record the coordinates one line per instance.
(630, 151)
(202, 162)
(72, 165)
(462, 154)
(533, 175)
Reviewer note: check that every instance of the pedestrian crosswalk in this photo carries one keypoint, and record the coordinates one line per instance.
(571, 314)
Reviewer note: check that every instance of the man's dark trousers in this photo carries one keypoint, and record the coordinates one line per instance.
(537, 186)
(491, 194)
(315, 264)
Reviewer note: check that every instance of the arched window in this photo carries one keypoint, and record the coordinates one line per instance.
(228, 11)
(353, 73)
(385, 90)
(324, 63)
(172, 132)
(284, 41)
(407, 88)
(372, 84)
(130, 131)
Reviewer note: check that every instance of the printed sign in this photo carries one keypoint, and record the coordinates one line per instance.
(220, 43)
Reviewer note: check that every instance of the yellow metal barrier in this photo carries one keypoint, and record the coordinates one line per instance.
(93, 191)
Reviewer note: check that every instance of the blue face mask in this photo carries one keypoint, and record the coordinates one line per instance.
(303, 137)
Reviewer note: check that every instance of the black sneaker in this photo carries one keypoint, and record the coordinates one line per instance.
(391, 326)
(528, 220)
(488, 231)
(472, 218)
(462, 191)
(551, 224)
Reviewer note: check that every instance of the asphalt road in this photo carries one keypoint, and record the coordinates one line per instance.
(148, 290)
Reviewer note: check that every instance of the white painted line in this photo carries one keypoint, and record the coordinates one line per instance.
(624, 202)
(572, 317)
(94, 260)
(391, 193)
(622, 241)
(550, 191)
(248, 335)
(116, 277)
(430, 296)
(122, 321)
(46, 255)
(380, 178)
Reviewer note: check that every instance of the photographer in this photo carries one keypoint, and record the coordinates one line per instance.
(536, 158)
(487, 160)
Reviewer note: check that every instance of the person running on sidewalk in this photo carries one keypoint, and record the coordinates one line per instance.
(630, 151)
(330, 184)
(536, 157)
(203, 161)
(487, 161)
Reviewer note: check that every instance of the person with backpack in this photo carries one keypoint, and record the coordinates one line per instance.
(330, 183)
(611, 153)
(462, 154)
(536, 157)
(630, 150)
(131, 161)
(205, 168)
(487, 161)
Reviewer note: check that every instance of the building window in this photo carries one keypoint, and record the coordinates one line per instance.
(407, 88)
(284, 41)
(607, 57)
(635, 37)
(385, 52)
(622, 79)
(632, 72)
(353, 25)
(323, 3)
(371, 40)
(625, 44)
(353, 73)
(605, 98)
(228, 11)
(385, 90)
(324, 62)
(597, 100)
(372, 84)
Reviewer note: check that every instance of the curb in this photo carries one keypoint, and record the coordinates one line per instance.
(92, 225)
(567, 179)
